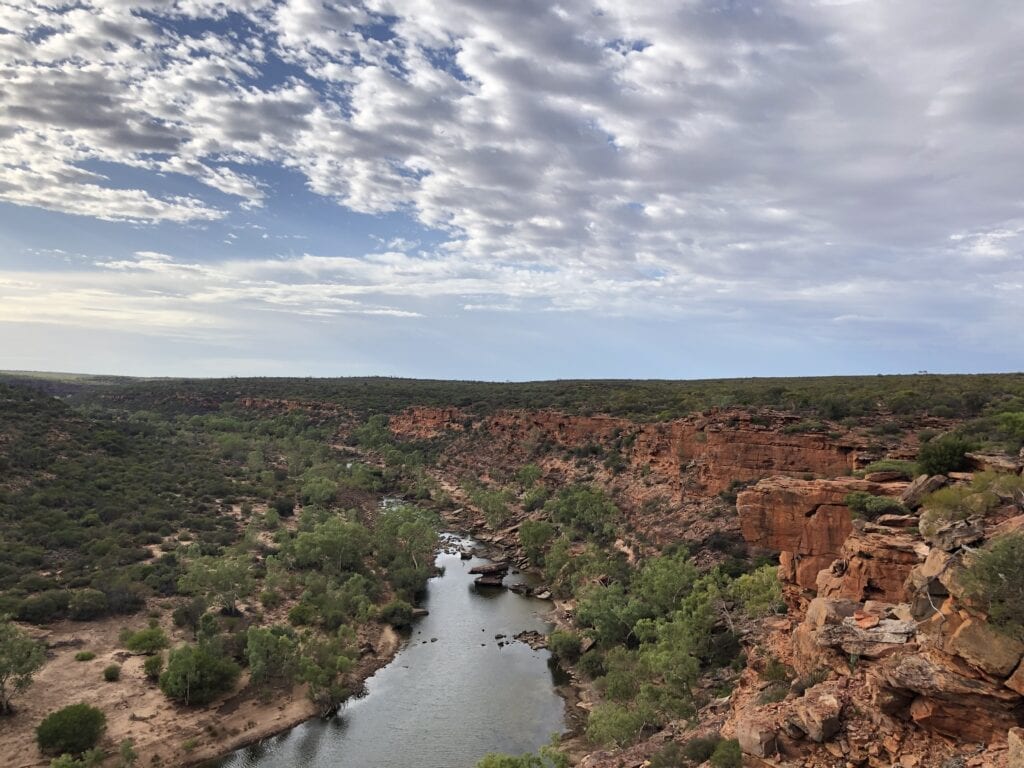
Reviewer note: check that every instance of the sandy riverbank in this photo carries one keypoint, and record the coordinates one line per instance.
(164, 734)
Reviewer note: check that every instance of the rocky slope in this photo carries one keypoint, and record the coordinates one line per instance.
(912, 673)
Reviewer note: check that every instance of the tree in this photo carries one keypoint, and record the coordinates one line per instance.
(334, 546)
(272, 655)
(223, 579)
(942, 455)
(196, 675)
(72, 730)
(20, 658)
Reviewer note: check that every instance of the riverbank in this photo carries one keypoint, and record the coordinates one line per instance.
(163, 733)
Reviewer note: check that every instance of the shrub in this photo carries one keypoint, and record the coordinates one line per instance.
(906, 468)
(564, 645)
(616, 724)
(397, 613)
(759, 592)
(669, 756)
(147, 641)
(534, 536)
(776, 672)
(869, 506)
(44, 607)
(85, 656)
(87, 604)
(112, 673)
(73, 730)
(195, 675)
(942, 455)
(700, 748)
(773, 693)
(994, 577)
(727, 755)
(153, 666)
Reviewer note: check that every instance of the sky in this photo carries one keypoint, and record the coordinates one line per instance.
(511, 190)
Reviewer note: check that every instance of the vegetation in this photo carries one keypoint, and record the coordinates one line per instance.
(983, 494)
(112, 673)
(868, 506)
(20, 658)
(197, 675)
(994, 577)
(74, 730)
(943, 454)
(147, 641)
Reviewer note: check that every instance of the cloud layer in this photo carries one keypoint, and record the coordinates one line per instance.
(841, 164)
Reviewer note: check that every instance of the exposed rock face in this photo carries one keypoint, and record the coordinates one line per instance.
(805, 519)
(817, 713)
(921, 487)
(702, 453)
(950, 697)
(874, 563)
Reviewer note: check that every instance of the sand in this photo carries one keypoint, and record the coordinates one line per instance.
(164, 734)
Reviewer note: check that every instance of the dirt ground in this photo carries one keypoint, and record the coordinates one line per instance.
(164, 733)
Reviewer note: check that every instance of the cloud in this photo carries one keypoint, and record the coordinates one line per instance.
(827, 161)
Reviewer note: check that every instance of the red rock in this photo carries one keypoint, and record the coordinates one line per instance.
(806, 518)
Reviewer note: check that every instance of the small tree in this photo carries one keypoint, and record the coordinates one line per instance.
(942, 455)
(72, 730)
(994, 578)
(196, 675)
(223, 579)
(20, 658)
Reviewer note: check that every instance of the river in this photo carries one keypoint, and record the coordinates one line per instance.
(450, 696)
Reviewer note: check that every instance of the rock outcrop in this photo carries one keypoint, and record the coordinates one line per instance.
(806, 521)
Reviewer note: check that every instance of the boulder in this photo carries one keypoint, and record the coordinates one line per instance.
(985, 648)
(956, 534)
(988, 462)
(887, 476)
(817, 713)
(757, 736)
(822, 611)
(920, 487)
(882, 639)
(947, 695)
(1015, 682)
(875, 562)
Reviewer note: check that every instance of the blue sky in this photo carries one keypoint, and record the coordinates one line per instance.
(473, 189)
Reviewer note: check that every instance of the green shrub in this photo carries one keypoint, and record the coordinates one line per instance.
(759, 592)
(397, 613)
(669, 756)
(112, 673)
(906, 468)
(195, 675)
(153, 666)
(869, 506)
(564, 645)
(959, 502)
(943, 455)
(700, 748)
(534, 536)
(616, 724)
(776, 672)
(994, 577)
(727, 755)
(87, 604)
(85, 656)
(147, 641)
(72, 730)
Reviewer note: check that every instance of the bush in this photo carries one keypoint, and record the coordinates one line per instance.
(906, 468)
(147, 641)
(112, 673)
(534, 536)
(994, 577)
(727, 755)
(615, 724)
(669, 756)
(397, 613)
(564, 645)
(72, 730)
(85, 656)
(153, 666)
(700, 748)
(87, 604)
(759, 592)
(869, 506)
(943, 455)
(195, 675)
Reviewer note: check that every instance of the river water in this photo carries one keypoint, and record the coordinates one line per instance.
(450, 696)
